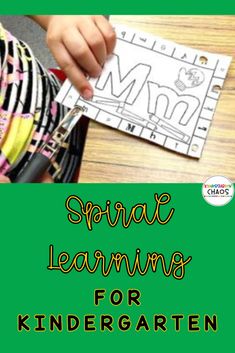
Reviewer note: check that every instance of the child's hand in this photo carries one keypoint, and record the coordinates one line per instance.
(4, 179)
(80, 45)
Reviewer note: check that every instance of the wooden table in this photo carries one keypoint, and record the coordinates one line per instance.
(113, 156)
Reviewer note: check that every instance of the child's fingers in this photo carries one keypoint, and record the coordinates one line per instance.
(81, 53)
(108, 33)
(72, 71)
(94, 39)
(4, 179)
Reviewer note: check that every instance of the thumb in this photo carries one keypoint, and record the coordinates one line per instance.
(4, 179)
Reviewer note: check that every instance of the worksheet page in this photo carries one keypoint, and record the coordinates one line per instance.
(157, 90)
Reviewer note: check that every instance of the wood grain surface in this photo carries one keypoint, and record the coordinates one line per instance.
(113, 156)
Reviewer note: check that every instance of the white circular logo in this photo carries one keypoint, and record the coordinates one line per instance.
(218, 190)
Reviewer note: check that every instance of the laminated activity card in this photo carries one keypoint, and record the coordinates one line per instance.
(157, 90)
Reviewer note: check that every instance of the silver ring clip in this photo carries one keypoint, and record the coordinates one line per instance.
(60, 134)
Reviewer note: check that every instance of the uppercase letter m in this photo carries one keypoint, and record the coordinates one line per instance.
(132, 83)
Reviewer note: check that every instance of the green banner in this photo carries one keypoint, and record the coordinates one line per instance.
(115, 267)
(118, 7)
